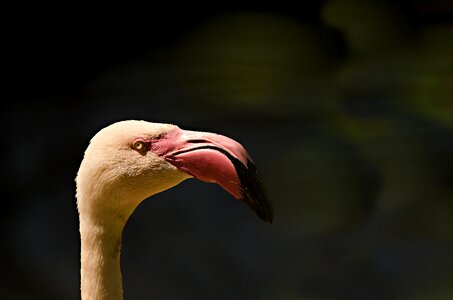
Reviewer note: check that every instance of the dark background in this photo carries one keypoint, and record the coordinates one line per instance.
(346, 107)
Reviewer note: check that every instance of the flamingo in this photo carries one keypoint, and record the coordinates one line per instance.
(129, 161)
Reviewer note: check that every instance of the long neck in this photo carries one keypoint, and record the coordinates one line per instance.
(100, 261)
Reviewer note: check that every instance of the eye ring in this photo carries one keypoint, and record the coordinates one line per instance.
(139, 145)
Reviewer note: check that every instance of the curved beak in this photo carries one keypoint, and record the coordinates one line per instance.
(218, 159)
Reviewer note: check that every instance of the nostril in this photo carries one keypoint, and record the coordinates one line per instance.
(197, 141)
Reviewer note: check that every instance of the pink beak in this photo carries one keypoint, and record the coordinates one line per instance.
(215, 158)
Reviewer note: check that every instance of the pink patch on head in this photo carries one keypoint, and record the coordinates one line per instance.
(169, 142)
(209, 165)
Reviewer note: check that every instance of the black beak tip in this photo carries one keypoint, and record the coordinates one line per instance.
(252, 188)
(266, 217)
(262, 208)
(254, 193)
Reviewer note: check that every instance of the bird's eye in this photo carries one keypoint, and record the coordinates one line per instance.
(139, 145)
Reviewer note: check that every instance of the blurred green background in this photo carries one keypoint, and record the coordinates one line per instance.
(346, 107)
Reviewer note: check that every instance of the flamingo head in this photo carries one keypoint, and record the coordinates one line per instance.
(129, 161)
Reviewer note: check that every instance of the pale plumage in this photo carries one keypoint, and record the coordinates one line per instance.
(130, 161)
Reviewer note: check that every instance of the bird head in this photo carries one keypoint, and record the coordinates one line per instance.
(129, 161)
